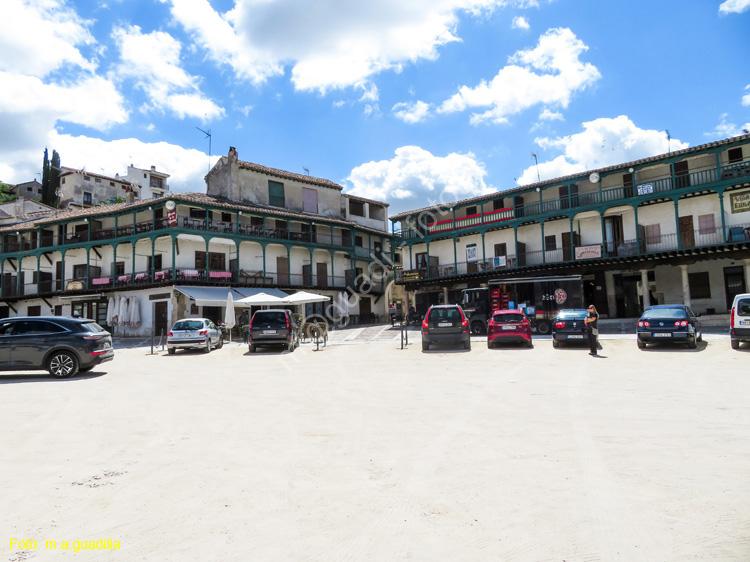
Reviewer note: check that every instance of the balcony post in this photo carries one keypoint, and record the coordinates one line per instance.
(644, 289)
(484, 254)
(153, 260)
(455, 254)
(88, 267)
(685, 286)
(113, 270)
(723, 220)
(427, 255)
(572, 241)
(207, 257)
(37, 273)
(263, 246)
(544, 246)
(677, 223)
(19, 278)
(62, 270)
(333, 258)
(116, 226)
(637, 233)
(132, 267)
(515, 242)
(173, 237)
(605, 250)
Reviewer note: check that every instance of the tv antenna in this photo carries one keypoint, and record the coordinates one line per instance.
(539, 179)
(208, 136)
(307, 170)
(669, 141)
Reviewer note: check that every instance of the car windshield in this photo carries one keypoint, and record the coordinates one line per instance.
(188, 325)
(664, 313)
(92, 327)
(743, 307)
(570, 314)
(508, 318)
(451, 314)
(270, 317)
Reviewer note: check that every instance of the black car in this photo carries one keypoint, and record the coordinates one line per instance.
(63, 346)
(669, 323)
(569, 327)
(275, 327)
(445, 324)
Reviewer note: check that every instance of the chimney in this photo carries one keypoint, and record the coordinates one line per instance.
(153, 168)
(232, 152)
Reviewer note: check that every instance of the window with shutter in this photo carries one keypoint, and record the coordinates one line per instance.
(276, 194)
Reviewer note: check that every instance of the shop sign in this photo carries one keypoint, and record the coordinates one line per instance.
(410, 276)
(740, 202)
(172, 217)
(499, 261)
(588, 252)
(645, 188)
(471, 253)
(74, 286)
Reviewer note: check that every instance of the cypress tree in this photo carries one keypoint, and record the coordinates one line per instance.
(45, 177)
(54, 180)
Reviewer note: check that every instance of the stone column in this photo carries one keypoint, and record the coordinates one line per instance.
(644, 289)
(747, 274)
(685, 286)
(445, 295)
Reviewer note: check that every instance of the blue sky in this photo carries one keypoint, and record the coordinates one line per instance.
(408, 102)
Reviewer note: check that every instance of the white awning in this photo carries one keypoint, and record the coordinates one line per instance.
(217, 296)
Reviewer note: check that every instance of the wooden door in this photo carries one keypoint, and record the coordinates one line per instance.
(161, 320)
(734, 283)
(282, 271)
(521, 257)
(321, 274)
(567, 246)
(687, 234)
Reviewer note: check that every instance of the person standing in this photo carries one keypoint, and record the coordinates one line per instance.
(392, 312)
(592, 329)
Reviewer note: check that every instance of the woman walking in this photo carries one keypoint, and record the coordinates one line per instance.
(592, 329)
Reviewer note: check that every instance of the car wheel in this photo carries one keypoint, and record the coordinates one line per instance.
(477, 328)
(467, 345)
(692, 343)
(172, 351)
(555, 343)
(543, 328)
(641, 345)
(251, 348)
(62, 364)
(425, 346)
(700, 336)
(735, 344)
(529, 343)
(208, 345)
(221, 342)
(490, 345)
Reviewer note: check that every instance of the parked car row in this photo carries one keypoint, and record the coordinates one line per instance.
(659, 324)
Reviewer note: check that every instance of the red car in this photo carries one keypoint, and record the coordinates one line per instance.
(508, 326)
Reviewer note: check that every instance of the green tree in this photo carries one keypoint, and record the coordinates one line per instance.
(6, 195)
(45, 177)
(54, 180)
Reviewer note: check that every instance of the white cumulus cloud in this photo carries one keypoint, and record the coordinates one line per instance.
(734, 7)
(152, 60)
(416, 178)
(412, 112)
(603, 142)
(328, 44)
(548, 74)
(520, 22)
(40, 36)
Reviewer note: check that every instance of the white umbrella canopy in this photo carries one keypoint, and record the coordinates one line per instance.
(134, 311)
(110, 309)
(260, 299)
(229, 318)
(123, 317)
(303, 297)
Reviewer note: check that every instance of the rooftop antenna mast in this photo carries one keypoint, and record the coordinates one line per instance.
(669, 141)
(307, 170)
(539, 179)
(208, 136)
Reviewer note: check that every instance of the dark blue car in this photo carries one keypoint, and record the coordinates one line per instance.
(669, 323)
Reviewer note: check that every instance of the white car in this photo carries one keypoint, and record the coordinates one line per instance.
(739, 320)
(194, 333)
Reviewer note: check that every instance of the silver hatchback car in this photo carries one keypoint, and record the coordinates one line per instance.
(194, 333)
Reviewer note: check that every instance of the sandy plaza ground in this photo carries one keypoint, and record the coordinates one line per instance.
(366, 452)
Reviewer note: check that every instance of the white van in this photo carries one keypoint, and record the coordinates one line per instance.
(739, 321)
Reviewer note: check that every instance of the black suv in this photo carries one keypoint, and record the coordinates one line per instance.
(275, 327)
(63, 346)
(445, 324)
